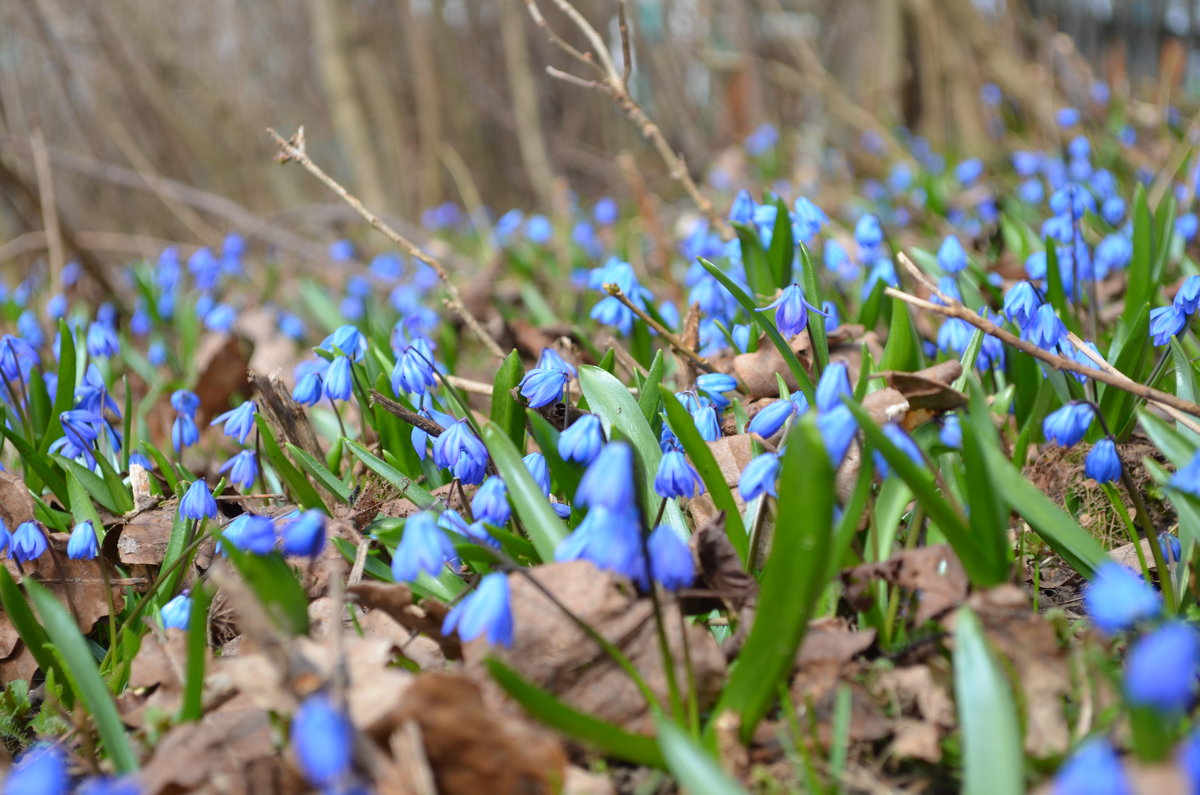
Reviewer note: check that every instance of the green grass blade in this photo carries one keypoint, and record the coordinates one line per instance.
(275, 584)
(609, 739)
(31, 632)
(993, 757)
(816, 323)
(648, 398)
(506, 412)
(754, 257)
(794, 576)
(782, 253)
(695, 771)
(319, 471)
(391, 474)
(710, 472)
(302, 491)
(197, 649)
(541, 523)
(83, 675)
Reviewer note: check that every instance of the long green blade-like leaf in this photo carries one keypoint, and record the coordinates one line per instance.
(197, 650)
(507, 413)
(706, 465)
(541, 523)
(768, 328)
(994, 759)
(319, 471)
(1140, 283)
(275, 584)
(782, 254)
(793, 580)
(754, 257)
(816, 323)
(695, 771)
(403, 484)
(617, 409)
(648, 399)
(302, 491)
(30, 631)
(83, 675)
(610, 740)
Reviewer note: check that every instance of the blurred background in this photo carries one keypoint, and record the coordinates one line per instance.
(144, 123)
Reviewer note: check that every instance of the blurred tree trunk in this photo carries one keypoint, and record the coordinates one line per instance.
(346, 111)
(420, 31)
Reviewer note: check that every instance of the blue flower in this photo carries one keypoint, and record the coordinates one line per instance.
(1116, 598)
(609, 538)
(582, 440)
(251, 533)
(605, 212)
(108, 785)
(309, 389)
(608, 480)
(460, 451)
(1161, 667)
(81, 429)
(671, 563)
(82, 544)
(1067, 117)
(1021, 302)
(1067, 425)
(323, 739)
(833, 384)
(422, 548)
(198, 502)
(485, 611)
(346, 340)
(1166, 322)
(951, 256)
(102, 340)
(1094, 769)
(244, 468)
(1188, 758)
(239, 421)
(951, 432)
(868, 233)
(1045, 330)
(304, 535)
(1170, 546)
(759, 476)
(676, 477)
(184, 432)
(1102, 462)
(767, 422)
(898, 437)
(543, 387)
(339, 380)
(968, 171)
(716, 383)
(707, 423)
(535, 463)
(791, 314)
(490, 503)
(414, 370)
(1187, 479)
(837, 428)
(177, 612)
(28, 542)
(1188, 296)
(41, 770)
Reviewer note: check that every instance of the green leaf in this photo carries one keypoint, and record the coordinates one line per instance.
(993, 757)
(768, 327)
(403, 484)
(617, 410)
(903, 349)
(816, 323)
(541, 523)
(1140, 284)
(319, 471)
(794, 576)
(64, 390)
(197, 648)
(754, 257)
(648, 399)
(1134, 360)
(695, 771)
(39, 463)
(84, 677)
(275, 584)
(610, 740)
(988, 517)
(301, 490)
(706, 465)
(118, 492)
(1185, 383)
(164, 466)
(30, 631)
(91, 482)
(507, 413)
(782, 253)
(82, 509)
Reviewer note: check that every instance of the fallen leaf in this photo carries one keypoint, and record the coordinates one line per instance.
(396, 600)
(720, 572)
(934, 572)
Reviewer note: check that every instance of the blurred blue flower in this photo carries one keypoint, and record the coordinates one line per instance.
(898, 437)
(304, 535)
(1093, 769)
(460, 451)
(868, 233)
(536, 465)
(1031, 191)
(339, 380)
(109, 785)
(490, 502)
(1067, 117)
(414, 371)
(1067, 425)
(832, 386)
(323, 739)
(676, 477)
(608, 480)
(1102, 462)
(610, 538)
(28, 542)
(238, 422)
(422, 548)
(671, 563)
(809, 219)
(309, 389)
(1170, 546)
(251, 533)
(346, 340)
(205, 268)
(242, 468)
(82, 544)
(40, 770)
(1161, 668)
(707, 423)
(484, 611)
(341, 251)
(1113, 210)
(767, 422)
(539, 229)
(951, 256)
(951, 432)
(1166, 322)
(198, 502)
(582, 440)
(177, 612)
(605, 212)
(1021, 303)
(742, 210)
(1117, 598)
(837, 427)
(762, 140)
(184, 432)
(968, 171)
(1187, 478)
(1186, 226)
(759, 476)
(543, 387)
(102, 340)
(1045, 330)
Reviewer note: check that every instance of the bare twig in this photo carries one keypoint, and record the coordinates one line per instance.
(612, 82)
(626, 49)
(662, 330)
(45, 182)
(1124, 383)
(294, 150)
(411, 417)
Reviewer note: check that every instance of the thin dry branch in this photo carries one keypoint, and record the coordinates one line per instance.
(676, 343)
(294, 150)
(613, 83)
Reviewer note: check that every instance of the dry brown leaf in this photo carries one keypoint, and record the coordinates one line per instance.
(916, 739)
(934, 572)
(16, 503)
(719, 571)
(552, 652)
(472, 749)
(223, 361)
(144, 538)
(831, 639)
(814, 692)
(396, 600)
(155, 677)
(732, 454)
